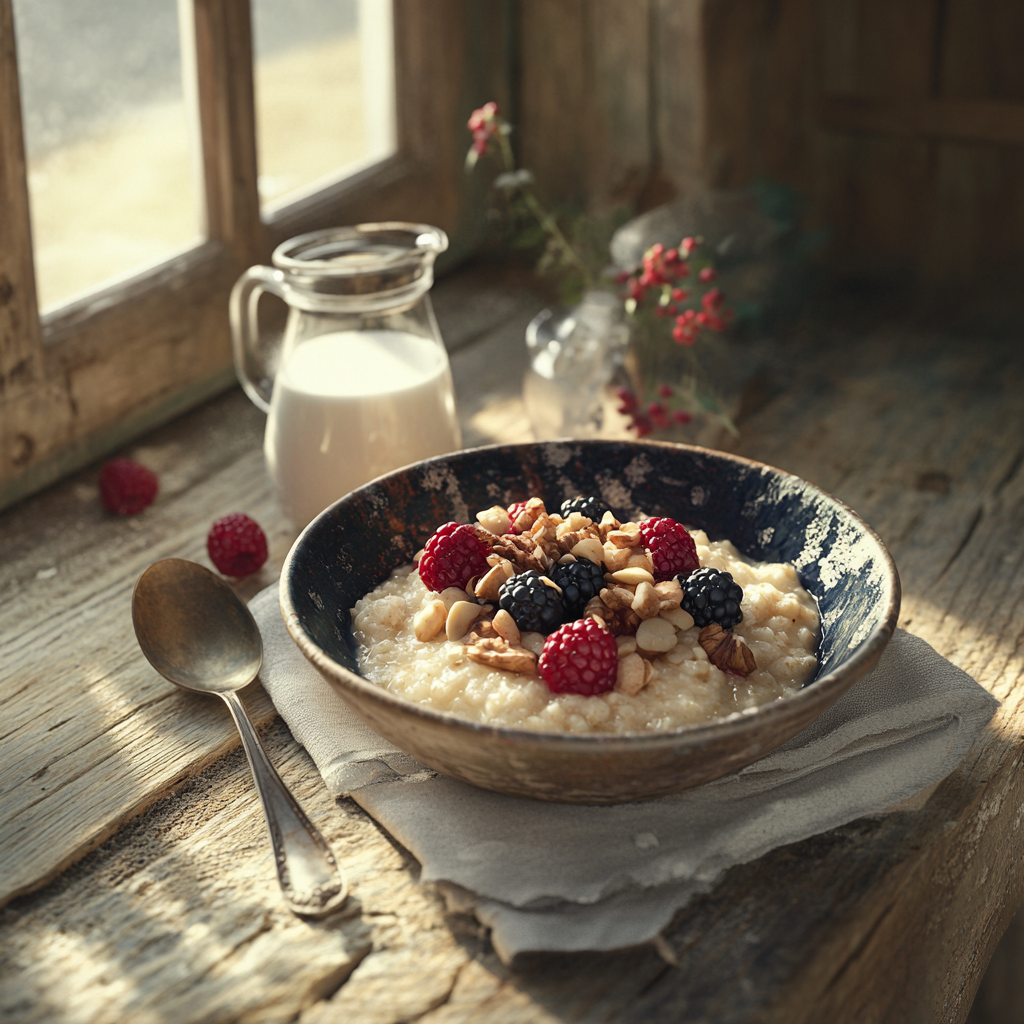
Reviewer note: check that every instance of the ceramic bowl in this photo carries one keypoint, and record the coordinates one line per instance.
(768, 514)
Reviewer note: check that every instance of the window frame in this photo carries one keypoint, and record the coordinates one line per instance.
(85, 379)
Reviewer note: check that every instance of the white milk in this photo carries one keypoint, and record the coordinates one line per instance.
(351, 405)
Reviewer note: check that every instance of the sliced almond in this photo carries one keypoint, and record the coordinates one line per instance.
(494, 519)
(632, 674)
(626, 536)
(633, 576)
(566, 559)
(625, 644)
(429, 619)
(646, 602)
(656, 636)
(490, 583)
(533, 642)
(461, 616)
(590, 548)
(507, 628)
(452, 594)
(549, 582)
(678, 618)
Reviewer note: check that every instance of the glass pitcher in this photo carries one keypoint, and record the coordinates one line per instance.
(359, 384)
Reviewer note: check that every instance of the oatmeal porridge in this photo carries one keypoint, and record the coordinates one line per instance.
(673, 647)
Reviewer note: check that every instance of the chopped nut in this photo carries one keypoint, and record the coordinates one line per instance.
(670, 592)
(533, 641)
(498, 654)
(617, 597)
(640, 559)
(678, 618)
(507, 628)
(656, 636)
(419, 554)
(531, 513)
(491, 582)
(566, 559)
(460, 616)
(523, 552)
(633, 576)
(568, 540)
(621, 621)
(607, 524)
(494, 519)
(627, 536)
(483, 629)
(727, 651)
(625, 644)
(590, 548)
(429, 619)
(471, 587)
(549, 582)
(452, 594)
(646, 603)
(616, 558)
(632, 674)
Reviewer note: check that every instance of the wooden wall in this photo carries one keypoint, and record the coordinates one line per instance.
(901, 121)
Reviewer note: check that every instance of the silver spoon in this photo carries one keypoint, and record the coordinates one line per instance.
(198, 634)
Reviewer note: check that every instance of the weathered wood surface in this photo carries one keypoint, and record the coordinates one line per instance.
(891, 918)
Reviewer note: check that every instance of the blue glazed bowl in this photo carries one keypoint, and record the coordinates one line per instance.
(768, 514)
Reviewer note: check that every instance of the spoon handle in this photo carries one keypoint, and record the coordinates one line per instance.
(311, 881)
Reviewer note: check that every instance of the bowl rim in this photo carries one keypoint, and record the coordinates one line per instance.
(832, 684)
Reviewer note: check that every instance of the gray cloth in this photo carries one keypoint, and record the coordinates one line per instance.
(517, 863)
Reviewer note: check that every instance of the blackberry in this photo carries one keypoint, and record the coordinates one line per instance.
(711, 595)
(580, 581)
(534, 604)
(593, 508)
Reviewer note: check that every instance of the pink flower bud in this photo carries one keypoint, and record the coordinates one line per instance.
(708, 274)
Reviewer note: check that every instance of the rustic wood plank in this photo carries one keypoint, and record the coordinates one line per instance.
(968, 120)
(21, 353)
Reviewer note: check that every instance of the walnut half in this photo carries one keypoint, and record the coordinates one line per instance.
(497, 653)
(727, 651)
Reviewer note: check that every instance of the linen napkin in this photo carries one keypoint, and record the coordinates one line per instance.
(517, 863)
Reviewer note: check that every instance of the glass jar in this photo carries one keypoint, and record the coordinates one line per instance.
(360, 383)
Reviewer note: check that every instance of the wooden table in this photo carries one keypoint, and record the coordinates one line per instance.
(174, 914)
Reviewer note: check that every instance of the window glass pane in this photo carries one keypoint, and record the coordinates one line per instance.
(112, 178)
(324, 91)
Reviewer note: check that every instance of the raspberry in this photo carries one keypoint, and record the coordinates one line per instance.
(452, 557)
(513, 511)
(670, 546)
(535, 605)
(593, 508)
(711, 595)
(127, 487)
(580, 581)
(580, 657)
(236, 545)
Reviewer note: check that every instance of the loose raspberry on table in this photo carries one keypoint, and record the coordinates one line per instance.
(581, 657)
(236, 545)
(671, 548)
(452, 557)
(127, 487)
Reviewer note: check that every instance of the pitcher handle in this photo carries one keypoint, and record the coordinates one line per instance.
(251, 363)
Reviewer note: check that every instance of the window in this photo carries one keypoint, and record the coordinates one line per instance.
(133, 342)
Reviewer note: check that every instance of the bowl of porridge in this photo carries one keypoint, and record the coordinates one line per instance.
(687, 701)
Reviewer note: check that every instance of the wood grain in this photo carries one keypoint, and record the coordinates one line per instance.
(888, 918)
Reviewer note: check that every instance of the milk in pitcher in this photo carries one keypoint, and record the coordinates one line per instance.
(351, 405)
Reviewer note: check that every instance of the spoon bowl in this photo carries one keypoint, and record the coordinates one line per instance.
(195, 632)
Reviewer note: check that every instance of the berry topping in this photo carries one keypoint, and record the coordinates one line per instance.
(535, 605)
(670, 546)
(452, 557)
(127, 487)
(580, 657)
(580, 581)
(513, 512)
(593, 508)
(236, 545)
(711, 595)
